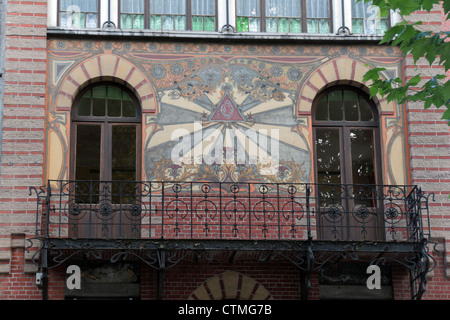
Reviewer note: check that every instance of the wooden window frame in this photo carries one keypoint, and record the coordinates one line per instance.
(106, 124)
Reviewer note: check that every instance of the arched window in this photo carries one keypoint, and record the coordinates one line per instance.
(105, 163)
(347, 163)
(106, 134)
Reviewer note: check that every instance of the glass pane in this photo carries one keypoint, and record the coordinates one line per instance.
(91, 20)
(99, 101)
(363, 168)
(335, 105)
(197, 23)
(87, 159)
(126, 21)
(271, 25)
(321, 112)
(155, 22)
(138, 21)
(84, 105)
(324, 26)
(210, 23)
(296, 26)
(242, 24)
(383, 26)
(128, 107)
(167, 22)
(253, 25)
(357, 26)
(328, 163)
(312, 26)
(351, 105)
(123, 157)
(114, 108)
(180, 23)
(365, 110)
(283, 25)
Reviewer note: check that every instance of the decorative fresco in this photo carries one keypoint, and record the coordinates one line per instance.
(220, 112)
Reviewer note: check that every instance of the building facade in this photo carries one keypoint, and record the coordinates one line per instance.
(208, 150)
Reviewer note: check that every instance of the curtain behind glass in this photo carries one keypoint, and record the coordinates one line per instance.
(132, 14)
(318, 16)
(78, 14)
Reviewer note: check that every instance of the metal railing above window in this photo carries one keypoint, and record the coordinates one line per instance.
(241, 211)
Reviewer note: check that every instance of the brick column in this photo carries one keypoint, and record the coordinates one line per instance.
(23, 127)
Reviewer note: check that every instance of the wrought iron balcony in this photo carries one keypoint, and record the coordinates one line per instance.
(231, 211)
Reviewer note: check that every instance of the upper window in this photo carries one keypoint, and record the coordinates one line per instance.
(366, 18)
(173, 15)
(78, 13)
(283, 16)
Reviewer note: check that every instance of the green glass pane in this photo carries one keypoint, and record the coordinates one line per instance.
(283, 25)
(114, 93)
(242, 24)
(357, 26)
(382, 27)
(78, 20)
(350, 105)
(335, 105)
(128, 109)
(99, 101)
(180, 22)
(84, 105)
(126, 21)
(296, 25)
(253, 25)
(197, 23)
(311, 26)
(321, 112)
(324, 26)
(155, 22)
(271, 25)
(138, 21)
(365, 110)
(210, 24)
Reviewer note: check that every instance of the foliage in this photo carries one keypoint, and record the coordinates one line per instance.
(433, 46)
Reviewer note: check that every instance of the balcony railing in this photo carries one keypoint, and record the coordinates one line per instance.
(241, 211)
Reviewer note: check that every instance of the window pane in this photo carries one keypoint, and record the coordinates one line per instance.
(365, 110)
(335, 105)
(180, 23)
(138, 21)
(271, 25)
(296, 26)
(126, 21)
(283, 25)
(357, 26)
(88, 152)
(351, 105)
(99, 101)
(167, 22)
(321, 112)
(253, 25)
(123, 158)
(155, 22)
(210, 23)
(91, 20)
(242, 24)
(324, 26)
(129, 110)
(84, 105)
(312, 26)
(363, 169)
(328, 156)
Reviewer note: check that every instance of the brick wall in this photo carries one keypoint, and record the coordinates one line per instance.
(22, 140)
(429, 138)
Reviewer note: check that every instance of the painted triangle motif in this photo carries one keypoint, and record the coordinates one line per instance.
(227, 110)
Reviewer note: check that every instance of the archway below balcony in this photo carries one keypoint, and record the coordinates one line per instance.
(230, 285)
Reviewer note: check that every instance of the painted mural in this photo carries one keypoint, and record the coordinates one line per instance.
(220, 112)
